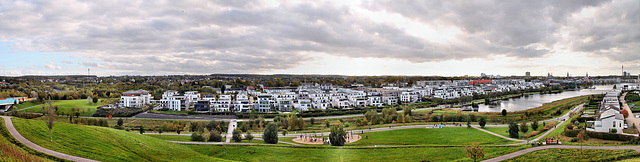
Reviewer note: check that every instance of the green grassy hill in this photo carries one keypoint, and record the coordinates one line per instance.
(86, 109)
(432, 136)
(105, 144)
(11, 150)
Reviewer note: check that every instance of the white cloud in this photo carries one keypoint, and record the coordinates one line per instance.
(52, 66)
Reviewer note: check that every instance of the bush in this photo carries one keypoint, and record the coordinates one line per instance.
(574, 139)
(214, 136)
(197, 137)
(571, 133)
(236, 135)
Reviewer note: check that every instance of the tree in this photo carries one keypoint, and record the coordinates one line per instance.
(160, 130)
(583, 136)
(524, 127)
(337, 135)
(95, 99)
(504, 112)
(406, 111)
(615, 87)
(141, 129)
(625, 113)
(482, 122)
(270, 135)
(120, 122)
(248, 137)
(474, 151)
(236, 135)
(326, 123)
(534, 125)
(513, 130)
(51, 118)
(284, 132)
(468, 123)
(312, 120)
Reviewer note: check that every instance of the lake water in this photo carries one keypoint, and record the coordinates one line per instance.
(535, 100)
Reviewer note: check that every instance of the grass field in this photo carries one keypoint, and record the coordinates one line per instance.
(86, 109)
(26, 104)
(105, 144)
(423, 136)
(188, 139)
(503, 130)
(268, 153)
(12, 150)
(575, 155)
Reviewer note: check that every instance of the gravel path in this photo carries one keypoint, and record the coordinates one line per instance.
(19, 137)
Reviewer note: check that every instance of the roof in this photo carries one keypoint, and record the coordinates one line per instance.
(9, 100)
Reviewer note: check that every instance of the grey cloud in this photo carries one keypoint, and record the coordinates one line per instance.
(249, 37)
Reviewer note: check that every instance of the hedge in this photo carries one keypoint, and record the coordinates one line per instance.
(572, 133)
(610, 136)
(117, 112)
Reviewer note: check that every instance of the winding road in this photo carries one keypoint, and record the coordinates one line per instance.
(12, 130)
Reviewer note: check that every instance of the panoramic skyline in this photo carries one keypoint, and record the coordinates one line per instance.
(448, 38)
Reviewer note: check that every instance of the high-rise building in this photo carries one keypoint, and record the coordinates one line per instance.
(528, 74)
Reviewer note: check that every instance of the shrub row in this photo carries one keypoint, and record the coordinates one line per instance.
(610, 136)
(535, 133)
(117, 112)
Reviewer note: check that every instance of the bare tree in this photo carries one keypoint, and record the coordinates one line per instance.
(50, 113)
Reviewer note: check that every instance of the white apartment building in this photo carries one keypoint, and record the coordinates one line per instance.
(135, 98)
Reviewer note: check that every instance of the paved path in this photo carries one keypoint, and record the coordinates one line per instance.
(631, 119)
(19, 137)
(29, 107)
(232, 126)
(501, 136)
(522, 152)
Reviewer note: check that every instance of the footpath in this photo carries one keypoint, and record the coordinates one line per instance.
(12, 130)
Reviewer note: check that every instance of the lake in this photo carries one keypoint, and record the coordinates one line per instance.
(535, 100)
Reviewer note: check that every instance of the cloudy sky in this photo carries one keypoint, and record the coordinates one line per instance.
(395, 37)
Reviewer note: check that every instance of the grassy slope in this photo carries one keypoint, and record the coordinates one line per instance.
(12, 152)
(26, 104)
(105, 144)
(574, 155)
(503, 130)
(188, 139)
(66, 105)
(266, 153)
(423, 136)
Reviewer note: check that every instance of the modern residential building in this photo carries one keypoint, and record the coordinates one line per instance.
(135, 98)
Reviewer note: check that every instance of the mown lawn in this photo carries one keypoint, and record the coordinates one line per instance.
(11, 151)
(86, 109)
(503, 130)
(105, 144)
(575, 155)
(26, 104)
(270, 153)
(433, 136)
